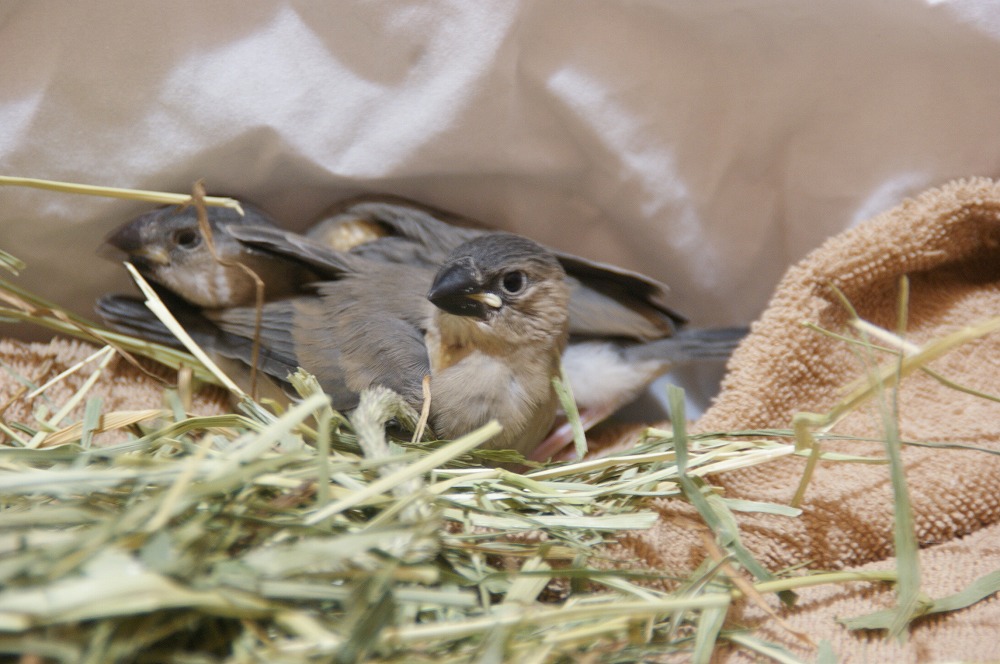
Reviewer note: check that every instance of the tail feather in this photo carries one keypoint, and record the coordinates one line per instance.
(691, 345)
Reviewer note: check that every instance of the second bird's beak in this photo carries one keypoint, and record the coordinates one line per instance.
(458, 290)
(130, 240)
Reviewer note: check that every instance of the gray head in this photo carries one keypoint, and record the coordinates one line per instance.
(171, 232)
(504, 282)
(167, 246)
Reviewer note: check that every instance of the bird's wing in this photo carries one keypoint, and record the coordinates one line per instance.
(324, 261)
(373, 324)
(362, 329)
(130, 315)
(606, 300)
(278, 352)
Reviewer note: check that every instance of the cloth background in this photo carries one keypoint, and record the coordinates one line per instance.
(708, 144)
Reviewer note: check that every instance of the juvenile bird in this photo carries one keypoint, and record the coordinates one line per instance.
(623, 334)
(488, 326)
(167, 246)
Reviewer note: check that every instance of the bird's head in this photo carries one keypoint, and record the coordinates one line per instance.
(504, 286)
(167, 246)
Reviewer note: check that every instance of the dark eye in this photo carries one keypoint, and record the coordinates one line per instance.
(513, 282)
(187, 239)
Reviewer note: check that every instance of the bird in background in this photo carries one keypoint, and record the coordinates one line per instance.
(168, 247)
(622, 334)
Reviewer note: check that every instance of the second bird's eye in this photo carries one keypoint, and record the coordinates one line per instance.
(187, 239)
(513, 282)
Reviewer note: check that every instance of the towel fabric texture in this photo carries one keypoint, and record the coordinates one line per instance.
(947, 242)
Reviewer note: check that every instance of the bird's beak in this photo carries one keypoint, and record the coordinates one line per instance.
(155, 255)
(129, 239)
(458, 290)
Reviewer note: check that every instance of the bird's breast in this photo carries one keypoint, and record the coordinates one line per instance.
(443, 356)
(471, 386)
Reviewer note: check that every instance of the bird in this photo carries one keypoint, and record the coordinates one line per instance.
(167, 246)
(488, 326)
(622, 332)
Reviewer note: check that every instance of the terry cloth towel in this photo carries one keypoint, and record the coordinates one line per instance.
(947, 241)
(121, 387)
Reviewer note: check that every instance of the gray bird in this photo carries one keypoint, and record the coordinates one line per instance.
(168, 247)
(623, 335)
(488, 326)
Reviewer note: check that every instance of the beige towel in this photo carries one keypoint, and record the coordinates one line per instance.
(948, 242)
(122, 387)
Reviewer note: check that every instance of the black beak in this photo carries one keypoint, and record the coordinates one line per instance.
(140, 252)
(457, 289)
(127, 238)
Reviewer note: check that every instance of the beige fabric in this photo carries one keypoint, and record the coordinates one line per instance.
(120, 387)
(948, 242)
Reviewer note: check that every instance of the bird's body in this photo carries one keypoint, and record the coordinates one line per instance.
(350, 305)
(491, 350)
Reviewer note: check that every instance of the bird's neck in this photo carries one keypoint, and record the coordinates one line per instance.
(454, 338)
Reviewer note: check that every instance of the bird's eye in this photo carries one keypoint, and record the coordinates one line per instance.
(187, 239)
(513, 282)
